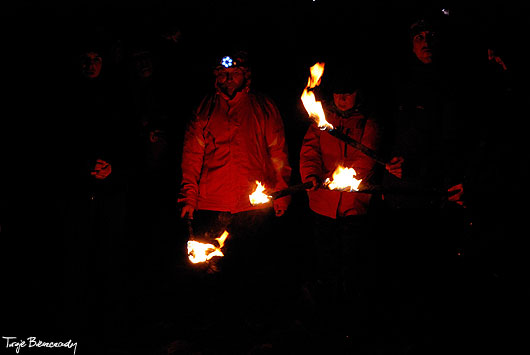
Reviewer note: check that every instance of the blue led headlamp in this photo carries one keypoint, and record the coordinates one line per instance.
(227, 62)
(232, 62)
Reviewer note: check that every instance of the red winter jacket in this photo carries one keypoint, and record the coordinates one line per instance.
(228, 146)
(321, 154)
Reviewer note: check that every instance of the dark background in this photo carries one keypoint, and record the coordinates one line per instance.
(40, 41)
(284, 38)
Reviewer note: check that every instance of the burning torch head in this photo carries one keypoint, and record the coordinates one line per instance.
(205, 247)
(258, 197)
(343, 179)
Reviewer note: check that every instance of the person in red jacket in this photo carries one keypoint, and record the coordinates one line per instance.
(236, 138)
(343, 244)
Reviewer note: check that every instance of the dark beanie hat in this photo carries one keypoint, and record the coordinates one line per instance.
(344, 78)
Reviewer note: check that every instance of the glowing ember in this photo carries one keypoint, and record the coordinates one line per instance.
(344, 180)
(313, 107)
(258, 197)
(201, 252)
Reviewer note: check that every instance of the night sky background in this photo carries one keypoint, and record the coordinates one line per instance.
(283, 38)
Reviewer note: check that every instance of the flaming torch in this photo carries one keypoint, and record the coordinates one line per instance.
(313, 107)
(343, 179)
(316, 112)
(200, 252)
(258, 197)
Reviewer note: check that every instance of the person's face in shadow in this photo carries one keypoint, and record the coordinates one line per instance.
(91, 64)
(173, 36)
(142, 64)
(425, 46)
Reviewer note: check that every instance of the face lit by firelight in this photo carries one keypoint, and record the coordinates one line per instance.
(344, 102)
(230, 80)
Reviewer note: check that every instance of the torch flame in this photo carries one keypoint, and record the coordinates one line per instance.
(258, 197)
(313, 107)
(343, 179)
(317, 71)
(200, 252)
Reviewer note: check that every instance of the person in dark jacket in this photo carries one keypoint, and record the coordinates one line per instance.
(426, 137)
(424, 216)
(94, 191)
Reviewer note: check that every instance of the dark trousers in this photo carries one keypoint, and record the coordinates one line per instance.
(418, 273)
(243, 283)
(95, 273)
(246, 247)
(344, 272)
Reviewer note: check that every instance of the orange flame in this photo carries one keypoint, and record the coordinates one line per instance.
(258, 197)
(200, 252)
(313, 107)
(343, 179)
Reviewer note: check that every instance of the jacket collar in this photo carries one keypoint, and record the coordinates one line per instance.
(343, 114)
